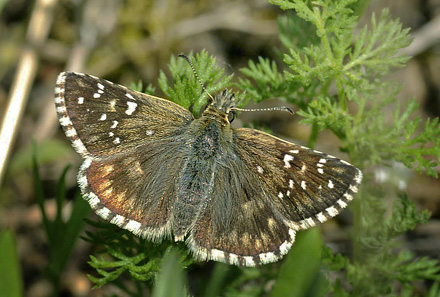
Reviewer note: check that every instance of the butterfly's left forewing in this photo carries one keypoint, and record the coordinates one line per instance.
(307, 187)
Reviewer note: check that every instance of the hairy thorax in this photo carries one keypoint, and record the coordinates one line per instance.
(212, 136)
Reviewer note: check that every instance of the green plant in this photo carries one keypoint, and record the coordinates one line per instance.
(61, 235)
(356, 65)
(11, 283)
(337, 81)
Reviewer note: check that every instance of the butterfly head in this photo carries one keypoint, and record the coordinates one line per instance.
(224, 101)
(222, 107)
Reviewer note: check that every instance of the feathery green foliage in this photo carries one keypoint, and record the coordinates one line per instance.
(126, 252)
(337, 81)
(185, 89)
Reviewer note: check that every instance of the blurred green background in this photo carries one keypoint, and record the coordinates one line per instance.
(130, 41)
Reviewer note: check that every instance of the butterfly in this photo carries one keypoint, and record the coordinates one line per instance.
(236, 196)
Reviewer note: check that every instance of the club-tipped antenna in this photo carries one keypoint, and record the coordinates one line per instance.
(196, 75)
(279, 108)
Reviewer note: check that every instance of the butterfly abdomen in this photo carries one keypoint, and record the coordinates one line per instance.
(196, 180)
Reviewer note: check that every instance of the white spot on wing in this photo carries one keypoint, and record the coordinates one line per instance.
(267, 257)
(103, 117)
(129, 96)
(96, 95)
(287, 159)
(303, 185)
(217, 255)
(341, 203)
(82, 180)
(131, 107)
(100, 86)
(61, 109)
(104, 212)
(331, 211)
(285, 247)
(117, 140)
(330, 184)
(93, 200)
(133, 225)
(65, 121)
(70, 132)
(309, 222)
(260, 169)
(80, 100)
(233, 258)
(249, 261)
(290, 183)
(321, 217)
(112, 105)
(348, 196)
(117, 220)
(358, 177)
(79, 146)
(149, 132)
(115, 123)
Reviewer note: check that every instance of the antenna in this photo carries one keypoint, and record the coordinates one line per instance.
(280, 108)
(195, 74)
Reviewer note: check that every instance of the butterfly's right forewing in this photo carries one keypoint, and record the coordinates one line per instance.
(104, 119)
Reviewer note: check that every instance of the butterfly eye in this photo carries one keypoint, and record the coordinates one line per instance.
(231, 116)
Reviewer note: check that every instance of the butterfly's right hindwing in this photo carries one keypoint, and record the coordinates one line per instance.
(137, 192)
